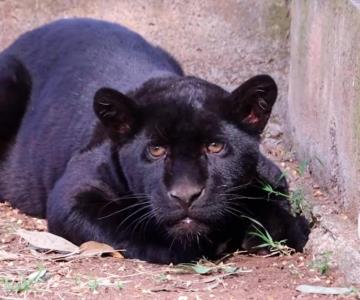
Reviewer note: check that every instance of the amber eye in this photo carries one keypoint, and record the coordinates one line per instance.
(214, 147)
(157, 151)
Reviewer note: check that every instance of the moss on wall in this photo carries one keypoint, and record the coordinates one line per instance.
(278, 19)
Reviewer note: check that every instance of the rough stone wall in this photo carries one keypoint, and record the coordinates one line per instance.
(324, 94)
(222, 41)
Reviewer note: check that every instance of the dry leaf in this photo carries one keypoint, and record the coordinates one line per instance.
(93, 248)
(47, 241)
(313, 289)
(4, 255)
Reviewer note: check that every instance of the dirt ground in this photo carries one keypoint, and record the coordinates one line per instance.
(239, 276)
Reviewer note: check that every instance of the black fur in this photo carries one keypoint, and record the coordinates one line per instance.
(15, 85)
(82, 155)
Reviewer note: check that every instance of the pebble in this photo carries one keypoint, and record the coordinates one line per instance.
(318, 193)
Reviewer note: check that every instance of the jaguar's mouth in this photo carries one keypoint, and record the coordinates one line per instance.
(186, 223)
(187, 226)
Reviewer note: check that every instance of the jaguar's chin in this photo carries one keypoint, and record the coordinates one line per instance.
(187, 227)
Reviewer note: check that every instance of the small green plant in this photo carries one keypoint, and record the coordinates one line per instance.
(322, 263)
(205, 267)
(297, 201)
(93, 284)
(283, 175)
(303, 166)
(296, 198)
(269, 189)
(275, 247)
(120, 285)
(23, 284)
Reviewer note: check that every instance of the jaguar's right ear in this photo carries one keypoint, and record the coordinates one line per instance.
(251, 103)
(115, 110)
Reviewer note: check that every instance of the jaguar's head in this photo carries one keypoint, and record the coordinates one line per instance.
(188, 145)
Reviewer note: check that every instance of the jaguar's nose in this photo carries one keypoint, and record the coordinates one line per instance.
(186, 194)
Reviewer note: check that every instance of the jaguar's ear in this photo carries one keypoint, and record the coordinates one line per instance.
(251, 103)
(115, 110)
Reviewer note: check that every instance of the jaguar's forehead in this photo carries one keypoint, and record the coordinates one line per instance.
(174, 122)
(176, 108)
(185, 90)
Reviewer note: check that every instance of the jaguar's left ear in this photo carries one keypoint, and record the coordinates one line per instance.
(250, 104)
(115, 110)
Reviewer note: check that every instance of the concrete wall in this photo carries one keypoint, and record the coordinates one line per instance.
(223, 41)
(324, 94)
